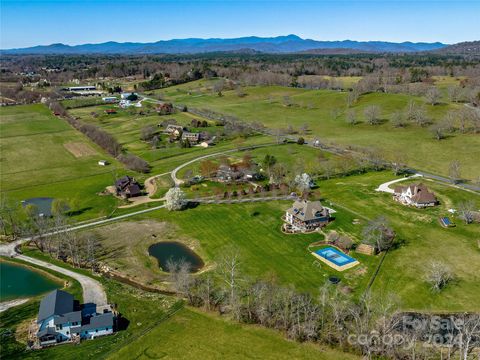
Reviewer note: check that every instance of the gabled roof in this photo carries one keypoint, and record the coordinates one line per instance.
(74, 316)
(420, 193)
(57, 302)
(308, 210)
(46, 331)
(99, 321)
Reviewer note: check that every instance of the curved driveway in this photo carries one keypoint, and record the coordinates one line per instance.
(92, 290)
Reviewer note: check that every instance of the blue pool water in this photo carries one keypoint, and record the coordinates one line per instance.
(335, 256)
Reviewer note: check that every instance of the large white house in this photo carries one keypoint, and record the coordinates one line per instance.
(416, 195)
(307, 215)
(59, 320)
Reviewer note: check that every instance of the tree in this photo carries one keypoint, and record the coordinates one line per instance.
(379, 233)
(398, 119)
(438, 131)
(208, 168)
(372, 114)
(134, 163)
(175, 199)
(268, 162)
(303, 182)
(147, 132)
(432, 95)
(180, 276)
(438, 275)
(454, 171)
(300, 141)
(59, 207)
(351, 117)
(466, 211)
(229, 269)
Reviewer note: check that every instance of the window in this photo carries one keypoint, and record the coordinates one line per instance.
(96, 330)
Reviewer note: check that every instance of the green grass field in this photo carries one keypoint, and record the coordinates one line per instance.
(324, 112)
(36, 163)
(422, 239)
(191, 334)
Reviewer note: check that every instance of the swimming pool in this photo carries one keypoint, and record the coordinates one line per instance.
(335, 258)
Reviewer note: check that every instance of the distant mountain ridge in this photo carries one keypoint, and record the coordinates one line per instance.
(273, 45)
(463, 48)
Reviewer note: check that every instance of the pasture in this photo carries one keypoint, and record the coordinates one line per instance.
(324, 111)
(42, 156)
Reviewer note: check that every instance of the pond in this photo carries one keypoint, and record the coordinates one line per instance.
(21, 282)
(164, 251)
(43, 205)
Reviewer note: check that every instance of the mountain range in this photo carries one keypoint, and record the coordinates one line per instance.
(272, 45)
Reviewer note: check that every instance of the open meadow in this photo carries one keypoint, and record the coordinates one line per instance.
(42, 156)
(324, 111)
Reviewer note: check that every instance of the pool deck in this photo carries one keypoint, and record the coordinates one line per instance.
(335, 266)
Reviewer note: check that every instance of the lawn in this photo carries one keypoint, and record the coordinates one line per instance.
(324, 112)
(191, 334)
(36, 161)
(253, 230)
(421, 240)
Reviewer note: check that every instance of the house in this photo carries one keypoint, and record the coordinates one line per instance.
(103, 162)
(124, 104)
(110, 111)
(80, 88)
(416, 195)
(61, 319)
(164, 108)
(307, 215)
(110, 99)
(127, 187)
(193, 138)
(174, 131)
(227, 173)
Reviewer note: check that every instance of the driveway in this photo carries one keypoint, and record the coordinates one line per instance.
(385, 187)
(92, 290)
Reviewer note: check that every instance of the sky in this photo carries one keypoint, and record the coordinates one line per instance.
(28, 23)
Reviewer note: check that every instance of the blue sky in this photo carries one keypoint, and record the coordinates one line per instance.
(28, 23)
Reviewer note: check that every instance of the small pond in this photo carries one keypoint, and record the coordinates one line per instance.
(43, 205)
(21, 282)
(163, 251)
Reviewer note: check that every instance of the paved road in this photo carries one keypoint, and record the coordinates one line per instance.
(92, 290)
(385, 187)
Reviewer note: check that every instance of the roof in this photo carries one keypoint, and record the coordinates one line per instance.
(99, 321)
(47, 331)
(308, 210)
(133, 189)
(420, 193)
(74, 316)
(57, 302)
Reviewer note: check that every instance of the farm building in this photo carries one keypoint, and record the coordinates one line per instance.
(307, 215)
(175, 131)
(80, 88)
(110, 111)
(127, 187)
(417, 195)
(61, 320)
(103, 162)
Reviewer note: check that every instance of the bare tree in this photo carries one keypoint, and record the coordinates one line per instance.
(469, 334)
(398, 119)
(454, 171)
(432, 95)
(180, 276)
(379, 233)
(351, 117)
(438, 275)
(372, 114)
(466, 211)
(229, 269)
